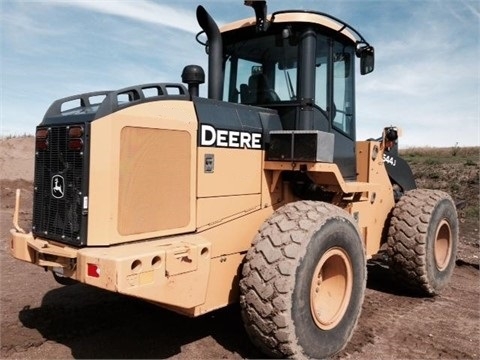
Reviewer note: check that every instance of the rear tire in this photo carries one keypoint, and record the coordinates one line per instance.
(303, 281)
(422, 240)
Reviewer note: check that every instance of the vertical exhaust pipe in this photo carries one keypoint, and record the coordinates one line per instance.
(215, 53)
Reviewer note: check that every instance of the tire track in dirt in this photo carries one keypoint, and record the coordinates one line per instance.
(397, 325)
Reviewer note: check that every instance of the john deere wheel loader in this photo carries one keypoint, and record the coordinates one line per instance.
(259, 193)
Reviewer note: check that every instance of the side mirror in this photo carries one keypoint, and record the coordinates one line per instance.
(367, 59)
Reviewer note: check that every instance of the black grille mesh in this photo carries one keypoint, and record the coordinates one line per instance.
(59, 218)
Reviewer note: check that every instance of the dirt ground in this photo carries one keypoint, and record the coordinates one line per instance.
(43, 320)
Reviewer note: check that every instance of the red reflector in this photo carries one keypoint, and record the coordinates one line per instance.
(75, 132)
(75, 144)
(93, 270)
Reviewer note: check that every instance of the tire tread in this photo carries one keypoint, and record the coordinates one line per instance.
(407, 238)
(267, 282)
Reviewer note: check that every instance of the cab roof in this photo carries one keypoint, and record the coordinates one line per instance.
(302, 16)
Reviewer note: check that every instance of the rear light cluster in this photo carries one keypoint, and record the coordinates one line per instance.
(74, 137)
(42, 139)
(75, 141)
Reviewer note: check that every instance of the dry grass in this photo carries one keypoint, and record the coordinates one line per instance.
(436, 156)
(454, 170)
(15, 136)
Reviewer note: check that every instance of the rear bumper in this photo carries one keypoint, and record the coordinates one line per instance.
(171, 271)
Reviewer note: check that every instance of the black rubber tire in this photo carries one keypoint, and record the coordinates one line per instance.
(423, 222)
(277, 281)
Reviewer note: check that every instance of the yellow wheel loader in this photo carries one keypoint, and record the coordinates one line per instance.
(258, 193)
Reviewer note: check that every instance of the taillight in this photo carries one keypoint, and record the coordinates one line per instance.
(41, 137)
(75, 141)
(75, 131)
(75, 144)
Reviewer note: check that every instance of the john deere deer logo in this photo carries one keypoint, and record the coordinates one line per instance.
(58, 186)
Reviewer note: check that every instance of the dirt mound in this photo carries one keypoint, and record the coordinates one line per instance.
(17, 158)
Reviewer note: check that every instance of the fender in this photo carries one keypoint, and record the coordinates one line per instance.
(399, 171)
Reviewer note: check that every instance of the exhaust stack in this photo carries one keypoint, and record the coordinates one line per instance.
(215, 51)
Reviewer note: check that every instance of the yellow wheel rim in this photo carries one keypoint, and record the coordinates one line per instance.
(331, 288)
(443, 245)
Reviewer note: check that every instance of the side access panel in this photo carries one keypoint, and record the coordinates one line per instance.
(231, 143)
(143, 173)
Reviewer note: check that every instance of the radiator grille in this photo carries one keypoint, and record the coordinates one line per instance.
(59, 190)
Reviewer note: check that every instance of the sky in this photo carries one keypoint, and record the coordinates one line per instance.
(427, 57)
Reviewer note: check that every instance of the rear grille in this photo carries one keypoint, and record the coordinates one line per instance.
(60, 188)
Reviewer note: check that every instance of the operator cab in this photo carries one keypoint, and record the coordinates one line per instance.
(299, 63)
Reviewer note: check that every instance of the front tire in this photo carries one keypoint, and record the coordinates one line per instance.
(422, 240)
(303, 281)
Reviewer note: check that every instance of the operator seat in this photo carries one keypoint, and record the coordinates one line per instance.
(257, 91)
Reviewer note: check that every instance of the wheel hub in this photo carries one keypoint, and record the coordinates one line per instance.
(331, 288)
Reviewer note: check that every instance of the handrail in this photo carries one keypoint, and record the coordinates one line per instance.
(115, 100)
